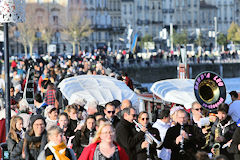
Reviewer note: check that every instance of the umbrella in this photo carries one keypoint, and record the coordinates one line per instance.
(178, 91)
(97, 88)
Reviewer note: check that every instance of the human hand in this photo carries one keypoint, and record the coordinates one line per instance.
(185, 134)
(144, 129)
(144, 144)
(79, 127)
(220, 139)
(179, 139)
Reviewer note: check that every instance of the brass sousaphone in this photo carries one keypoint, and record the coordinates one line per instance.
(210, 90)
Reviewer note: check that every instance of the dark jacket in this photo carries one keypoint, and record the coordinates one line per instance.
(81, 141)
(71, 127)
(226, 129)
(190, 146)
(234, 145)
(128, 138)
(13, 148)
(115, 121)
(142, 153)
(32, 153)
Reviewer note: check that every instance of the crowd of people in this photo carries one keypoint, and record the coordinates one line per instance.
(57, 129)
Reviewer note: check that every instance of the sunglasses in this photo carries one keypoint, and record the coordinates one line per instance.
(145, 119)
(134, 115)
(111, 112)
(198, 109)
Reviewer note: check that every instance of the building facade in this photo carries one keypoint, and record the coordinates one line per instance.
(105, 17)
(225, 13)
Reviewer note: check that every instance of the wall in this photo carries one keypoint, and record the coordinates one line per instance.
(153, 74)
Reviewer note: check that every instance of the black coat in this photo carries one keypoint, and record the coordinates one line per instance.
(32, 153)
(115, 121)
(227, 128)
(128, 138)
(81, 141)
(72, 125)
(142, 153)
(234, 145)
(196, 140)
(13, 146)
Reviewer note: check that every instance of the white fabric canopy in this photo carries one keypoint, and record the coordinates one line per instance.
(178, 91)
(97, 88)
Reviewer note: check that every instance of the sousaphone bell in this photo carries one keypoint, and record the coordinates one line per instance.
(210, 90)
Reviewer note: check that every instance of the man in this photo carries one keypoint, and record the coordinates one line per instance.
(39, 104)
(126, 135)
(196, 113)
(235, 145)
(183, 139)
(224, 126)
(125, 104)
(50, 96)
(109, 112)
(91, 107)
(234, 110)
(162, 124)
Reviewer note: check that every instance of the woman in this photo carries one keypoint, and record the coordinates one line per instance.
(63, 124)
(143, 153)
(56, 149)
(35, 139)
(83, 137)
(15, 135)
(51, 116)
(103, 146)
(24, 113)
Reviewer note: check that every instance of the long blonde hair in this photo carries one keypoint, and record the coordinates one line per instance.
(99, 131)
(13, 129)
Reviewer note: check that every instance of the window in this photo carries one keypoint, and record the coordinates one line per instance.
(124, 9)
(55, 20)
(99, 36)
(130, 9)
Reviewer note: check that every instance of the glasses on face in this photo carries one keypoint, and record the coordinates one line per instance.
(145, 119)
(108, 133)
(41, 124)
(198, 109)
(113, 112)
(134, 115)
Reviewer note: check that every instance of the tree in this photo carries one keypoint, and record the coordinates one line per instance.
(28, 30)
(76, 28)
(180, 38)
(233, 33)
(222, 40)
(146, 38)
(47, 33)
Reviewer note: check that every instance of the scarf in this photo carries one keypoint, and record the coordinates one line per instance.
(57, 151)
(34, 139)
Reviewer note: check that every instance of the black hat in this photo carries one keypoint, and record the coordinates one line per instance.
(36, 117)
(234, 93)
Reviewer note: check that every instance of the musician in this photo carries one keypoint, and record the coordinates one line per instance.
(196, 113)
(143, 154)
(235, 144)
(126, 134)
(225, 126)
(183, 137)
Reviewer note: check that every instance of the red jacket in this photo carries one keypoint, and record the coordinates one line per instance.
(88, 152)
